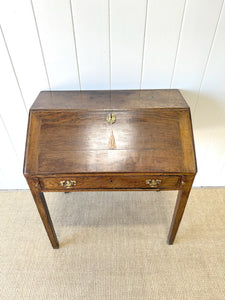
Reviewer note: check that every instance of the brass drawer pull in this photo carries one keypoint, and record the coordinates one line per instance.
(153, 182)
(111, 118)
(68, 183)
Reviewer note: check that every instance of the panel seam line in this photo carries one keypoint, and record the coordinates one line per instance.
(75, 43)
(14, 71)
(208, 58)
(42, 51)
(10, 140)
(178, 43)
(144, 39)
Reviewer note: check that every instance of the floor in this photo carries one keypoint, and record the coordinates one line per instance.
(113, 246)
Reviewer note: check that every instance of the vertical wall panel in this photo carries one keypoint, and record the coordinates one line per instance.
(19, 29)
(92, 39)
(12, 108)
(162, 33)
(210, 114)
(55, 26)
(127, 36)
(11, 174)
(199, 26)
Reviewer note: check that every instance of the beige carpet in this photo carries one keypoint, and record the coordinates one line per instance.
(113, 246)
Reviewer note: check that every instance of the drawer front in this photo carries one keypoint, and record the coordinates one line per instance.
(110, 182)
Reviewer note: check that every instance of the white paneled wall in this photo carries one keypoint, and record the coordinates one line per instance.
(113, 44)
(18, 26)
(92, 41)
(196, 38)
(162, 36)
(127, 28)
(55, 29)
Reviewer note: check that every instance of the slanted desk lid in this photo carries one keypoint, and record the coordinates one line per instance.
(152, 135)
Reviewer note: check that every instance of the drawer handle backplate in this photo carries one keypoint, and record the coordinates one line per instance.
(68, 183)
(153, 182)
(111, 118)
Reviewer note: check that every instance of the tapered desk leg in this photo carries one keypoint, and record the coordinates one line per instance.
(179, 209)
(43, 211)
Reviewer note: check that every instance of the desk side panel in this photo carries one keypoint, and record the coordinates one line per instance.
(31, 151)
(187, 139)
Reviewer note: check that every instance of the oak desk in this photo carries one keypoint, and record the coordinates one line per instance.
(109, 140)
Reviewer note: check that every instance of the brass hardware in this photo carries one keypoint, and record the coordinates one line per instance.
(68, 183)
(111, 118)
(153, 182)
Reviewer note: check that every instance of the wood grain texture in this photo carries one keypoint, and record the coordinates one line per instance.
(42, 207)
(147, 140)
(103, 100)
(111, 182)
(179, 208)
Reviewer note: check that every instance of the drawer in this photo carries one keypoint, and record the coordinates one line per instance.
(92, 182)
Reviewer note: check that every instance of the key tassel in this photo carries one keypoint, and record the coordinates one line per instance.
(112, 142)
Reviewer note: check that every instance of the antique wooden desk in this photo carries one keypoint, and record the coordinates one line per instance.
(109, 140)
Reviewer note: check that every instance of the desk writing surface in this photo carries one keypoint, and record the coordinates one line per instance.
(69, 136)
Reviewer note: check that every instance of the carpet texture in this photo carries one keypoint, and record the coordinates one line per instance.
(113, 246)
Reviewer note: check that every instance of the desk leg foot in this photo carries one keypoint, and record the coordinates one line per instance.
(43, 211)
(179, 210)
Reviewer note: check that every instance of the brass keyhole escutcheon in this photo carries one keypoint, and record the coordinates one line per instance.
(153, 182)
(68, 183)
(111, 118)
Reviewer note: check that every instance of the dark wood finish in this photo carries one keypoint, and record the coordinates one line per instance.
(68, 137)
(109, 182)
(153, 140)
(103, 100)
(181, 202)
(43, 210)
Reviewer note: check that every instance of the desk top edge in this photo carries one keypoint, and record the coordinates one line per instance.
(109, 99)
